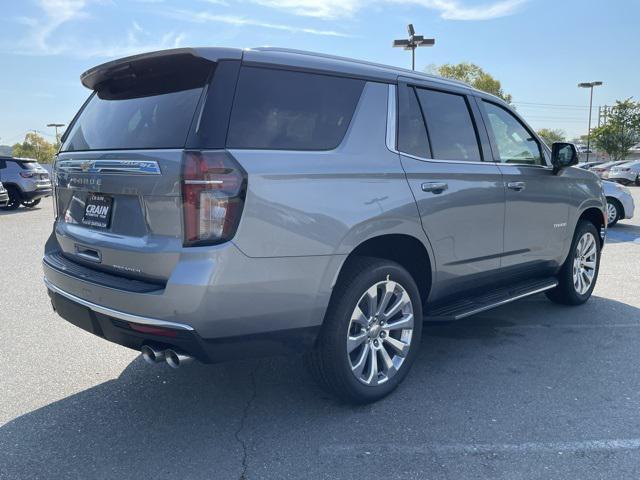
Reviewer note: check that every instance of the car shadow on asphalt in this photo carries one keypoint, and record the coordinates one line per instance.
(201, 421)
(623, 232)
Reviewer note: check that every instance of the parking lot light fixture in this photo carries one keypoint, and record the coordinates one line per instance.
(414, 41)
(589, 85)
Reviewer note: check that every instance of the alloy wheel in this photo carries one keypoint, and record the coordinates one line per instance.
(380, 332)
(585, 263)
(612, 213)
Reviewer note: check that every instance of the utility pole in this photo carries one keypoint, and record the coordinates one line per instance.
(56, 126)
(589, 85)
(414, 41)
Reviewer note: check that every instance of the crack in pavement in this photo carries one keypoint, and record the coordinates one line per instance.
(245, 414)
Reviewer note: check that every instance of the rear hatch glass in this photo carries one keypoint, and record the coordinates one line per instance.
(153, 121)
(118, 171)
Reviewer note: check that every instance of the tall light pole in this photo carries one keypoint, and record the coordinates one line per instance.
(589, 85)
(414, 41)
(56, 126)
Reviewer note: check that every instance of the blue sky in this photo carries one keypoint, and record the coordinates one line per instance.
(538, 49)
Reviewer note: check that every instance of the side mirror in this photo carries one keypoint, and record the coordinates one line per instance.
(563, 155)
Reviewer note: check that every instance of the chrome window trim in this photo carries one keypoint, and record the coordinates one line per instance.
(127, 317)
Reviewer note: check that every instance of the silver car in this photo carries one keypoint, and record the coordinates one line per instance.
(215, 204)
(620, 204)
(4, 196)
(626, 173)
(26, 181)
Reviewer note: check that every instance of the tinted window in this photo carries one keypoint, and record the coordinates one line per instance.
(27, 165)
(278, 109)
(449, 125)
(514, 142)
(412, 134)
(154, 121)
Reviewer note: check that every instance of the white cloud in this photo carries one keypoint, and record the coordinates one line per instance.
(43, 38)
(238, 21)
(449, 9)
(455, 10)
(316, 8)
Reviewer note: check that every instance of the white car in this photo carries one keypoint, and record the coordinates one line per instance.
(620, 203)
(627, 173)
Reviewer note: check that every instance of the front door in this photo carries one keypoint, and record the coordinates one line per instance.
(537, 201)
(460, 197)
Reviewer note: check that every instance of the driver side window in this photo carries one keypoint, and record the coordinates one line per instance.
(514, 142)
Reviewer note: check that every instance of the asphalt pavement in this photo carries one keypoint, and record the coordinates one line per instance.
(531, 390)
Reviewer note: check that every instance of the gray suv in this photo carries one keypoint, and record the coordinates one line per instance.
(215, 204)
(26, 181)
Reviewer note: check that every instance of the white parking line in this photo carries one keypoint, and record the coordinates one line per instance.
(558, 448)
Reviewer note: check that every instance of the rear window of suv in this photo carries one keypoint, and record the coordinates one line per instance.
(286, 110)
(143, 105)
(26, 165)
(154, 121)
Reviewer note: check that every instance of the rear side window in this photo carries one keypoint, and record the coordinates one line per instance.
(450, 127)
(285, 110)
(412, 134)
(27, 165)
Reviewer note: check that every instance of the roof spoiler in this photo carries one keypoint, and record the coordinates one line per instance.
(175, 58)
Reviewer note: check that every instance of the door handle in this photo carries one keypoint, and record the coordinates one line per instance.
(434, 187)
(517, 186)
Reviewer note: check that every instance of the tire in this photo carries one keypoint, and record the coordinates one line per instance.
(638, 180)
(351, 375)
(567, 292)
(614, 211)
(14, 199)
(31, 203)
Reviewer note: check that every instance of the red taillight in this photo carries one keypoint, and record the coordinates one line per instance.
(213, 191)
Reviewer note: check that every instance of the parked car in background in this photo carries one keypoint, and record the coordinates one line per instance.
(589, 165)
(626, 173)
(583, 149)
(4, 196)
(306, 210)
(620, 203)
(26, 181)
(603, 170)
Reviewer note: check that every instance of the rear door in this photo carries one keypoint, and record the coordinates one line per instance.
(118, 176)
(537, 201)
(460, 196)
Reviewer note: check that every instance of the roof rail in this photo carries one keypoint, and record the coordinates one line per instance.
(404, 71)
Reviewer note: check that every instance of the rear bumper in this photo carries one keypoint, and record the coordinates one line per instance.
(628, 205)
(35, 194)
(133, 331)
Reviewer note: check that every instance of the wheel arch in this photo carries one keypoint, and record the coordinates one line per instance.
(406, 250)
(595, 216)
(618, 203)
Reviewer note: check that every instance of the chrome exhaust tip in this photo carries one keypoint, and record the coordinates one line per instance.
(176, 359)
(152, 355)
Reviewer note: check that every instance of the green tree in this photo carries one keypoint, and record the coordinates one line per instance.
(474, 76)
(35, 146)
(621, 132)
(551, 136)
